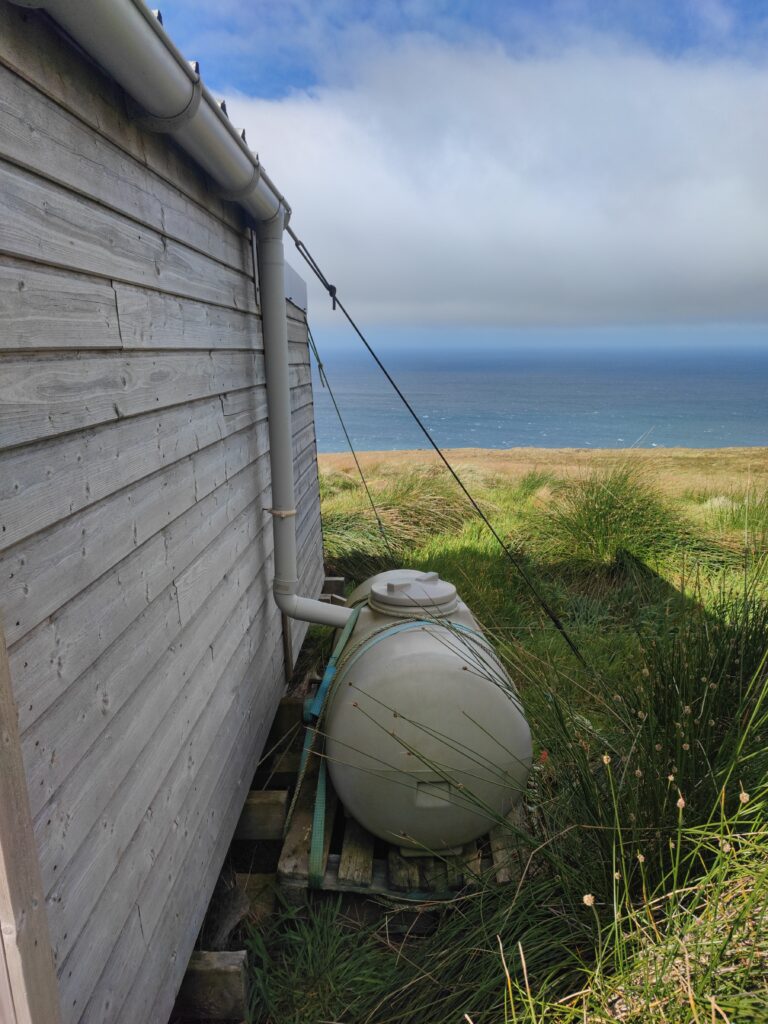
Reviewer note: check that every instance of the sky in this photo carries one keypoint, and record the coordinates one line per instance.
(546, 169)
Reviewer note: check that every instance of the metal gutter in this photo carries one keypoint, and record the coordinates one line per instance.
(128, 41)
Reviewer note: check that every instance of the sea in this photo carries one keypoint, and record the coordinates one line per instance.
(544, 398)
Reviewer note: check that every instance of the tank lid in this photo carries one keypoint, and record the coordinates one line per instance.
(425, 591)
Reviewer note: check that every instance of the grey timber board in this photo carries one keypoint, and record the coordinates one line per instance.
(84, 904)
(154, 320)
(42, 396)
(28, 979)
(93, 658)
(151, 319)
(79, 798)
(52, 655)
(169, 982)
(32, 47)
(208, 811)
(83, 796)
(41, 136)
(51, 225)
(42, 308)
(56, 740)
(92, 908)
(356, 861)
(42, 484)
(45, 571)
(135, 555)
(46, 483)
(7, 1012)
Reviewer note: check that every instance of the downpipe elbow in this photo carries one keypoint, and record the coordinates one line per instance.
(307, 609)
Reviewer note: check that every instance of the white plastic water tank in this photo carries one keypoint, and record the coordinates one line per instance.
(426, 740)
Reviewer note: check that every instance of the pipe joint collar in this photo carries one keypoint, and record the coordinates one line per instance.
(285, 587)
(169, 124)
(272, 230)
(236, 194)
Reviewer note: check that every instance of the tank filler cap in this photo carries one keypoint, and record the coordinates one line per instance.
(406, 596)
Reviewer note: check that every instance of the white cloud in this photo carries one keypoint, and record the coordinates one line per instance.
(602, 184)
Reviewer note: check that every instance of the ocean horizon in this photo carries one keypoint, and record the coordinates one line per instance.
(547, 398)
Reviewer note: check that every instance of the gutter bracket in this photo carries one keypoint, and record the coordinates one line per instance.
(169, 124)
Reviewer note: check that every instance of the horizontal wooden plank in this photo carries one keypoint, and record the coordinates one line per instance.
(46, 570)
(79, 797)
(45, 483)
(215, 986)
(57, 740)
(200, 867)
(55, 743)
(47, 223)
(151, 319)
(185, 802)
(356, 863)
(42, 573)
(44, 395)
(7, 1012)
(263, 815)
(41, 136)
(27, 977)
(242, 407)
(107, 907)
(42, 308)
(47, 661)
(35, 50)
(80, 801)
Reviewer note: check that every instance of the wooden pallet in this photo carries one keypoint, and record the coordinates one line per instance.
(356, 863)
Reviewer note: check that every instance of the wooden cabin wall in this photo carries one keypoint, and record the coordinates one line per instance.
(145, 649)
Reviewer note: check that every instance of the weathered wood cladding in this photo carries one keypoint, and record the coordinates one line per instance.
(145, 650)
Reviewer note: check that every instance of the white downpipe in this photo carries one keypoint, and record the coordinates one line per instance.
(128, 41)
(272, 284)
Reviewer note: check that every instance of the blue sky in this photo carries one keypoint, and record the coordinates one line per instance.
(272, 48)
(511, 170)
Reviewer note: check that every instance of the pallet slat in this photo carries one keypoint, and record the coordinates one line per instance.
(356, 864)
(403, 872)
(357, 871)
(505, 850)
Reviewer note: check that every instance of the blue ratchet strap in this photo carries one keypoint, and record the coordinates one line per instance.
(312, 716)
(408, 626)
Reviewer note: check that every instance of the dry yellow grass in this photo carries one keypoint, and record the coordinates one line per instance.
(674, 470)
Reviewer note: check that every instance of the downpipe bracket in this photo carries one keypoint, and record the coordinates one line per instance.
(281, 513)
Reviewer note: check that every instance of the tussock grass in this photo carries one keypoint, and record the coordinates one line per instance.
(642, 882)
(412, 506)
(741, 517)
(592, 519)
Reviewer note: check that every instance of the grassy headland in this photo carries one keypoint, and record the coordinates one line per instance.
(644, 870)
